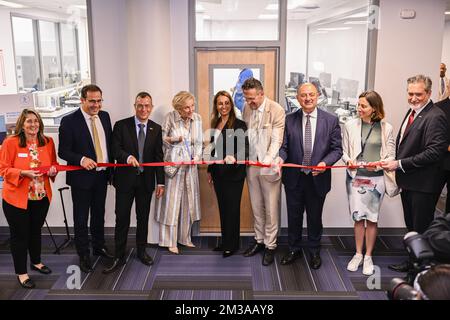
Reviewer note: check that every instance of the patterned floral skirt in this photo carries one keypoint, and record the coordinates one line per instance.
(365, 195)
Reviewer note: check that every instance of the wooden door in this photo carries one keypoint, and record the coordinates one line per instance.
(209, 63)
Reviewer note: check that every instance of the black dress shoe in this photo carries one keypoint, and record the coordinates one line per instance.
(117, 264)
(254, 249)
(44, 269)
(268, 257)
(291, 256)
(27, 284)
(405, 266)
(103, 252)
(144, 257)
(316, 261)
(85, 264)
(227, 253)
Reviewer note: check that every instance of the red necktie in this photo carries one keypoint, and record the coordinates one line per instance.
(410, 120)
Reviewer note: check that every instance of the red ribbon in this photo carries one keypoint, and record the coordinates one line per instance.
(61, 168)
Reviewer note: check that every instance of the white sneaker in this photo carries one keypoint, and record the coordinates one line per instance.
(368, 266)
(356, 261)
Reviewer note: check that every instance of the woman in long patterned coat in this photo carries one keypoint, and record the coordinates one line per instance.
(183, 141)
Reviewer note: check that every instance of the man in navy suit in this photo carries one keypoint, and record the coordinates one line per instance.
(312, 137)
(84, 140)
(421, 146)
(136, 140)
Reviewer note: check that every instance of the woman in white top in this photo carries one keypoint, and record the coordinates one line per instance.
(367, 140)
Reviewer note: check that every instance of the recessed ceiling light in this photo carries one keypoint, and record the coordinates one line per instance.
(359, 15)
(12, 4)
(447, 12)
(268, 16)
(356, 22)
(334, 29)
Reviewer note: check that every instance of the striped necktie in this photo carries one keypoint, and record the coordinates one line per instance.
(307, 148)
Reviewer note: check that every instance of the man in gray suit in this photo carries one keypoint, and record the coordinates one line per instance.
(265, 120)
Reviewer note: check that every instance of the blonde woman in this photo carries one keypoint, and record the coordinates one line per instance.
(183, 141)
(367, 140)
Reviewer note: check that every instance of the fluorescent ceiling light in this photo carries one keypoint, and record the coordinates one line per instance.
(199, 8)
(268, 16)
(12, 4)
(447, 12)
(359, 15)
(356, 22)
(272, 6)
(291, 6)
(334, 29)
(82, 7)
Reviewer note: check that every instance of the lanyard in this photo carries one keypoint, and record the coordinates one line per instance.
(363, 144)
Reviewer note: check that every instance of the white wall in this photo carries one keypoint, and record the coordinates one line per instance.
(446, 45)
(405, 48)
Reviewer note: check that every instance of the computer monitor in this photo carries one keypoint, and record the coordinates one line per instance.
(296, 79)
(348, 88)
(316, 82)
(335, 97)
(325, 79)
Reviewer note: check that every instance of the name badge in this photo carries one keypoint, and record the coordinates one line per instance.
(23, 155)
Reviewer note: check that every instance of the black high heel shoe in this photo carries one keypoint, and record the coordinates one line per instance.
(227, 253)
(27, 284)
(43, 270)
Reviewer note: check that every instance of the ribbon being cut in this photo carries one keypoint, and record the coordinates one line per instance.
(62, 168)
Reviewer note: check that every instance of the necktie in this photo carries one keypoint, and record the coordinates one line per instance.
(410, 121)
(141, 142)
(97, 145)
(442, 85)
(255, 133)
(307, 147)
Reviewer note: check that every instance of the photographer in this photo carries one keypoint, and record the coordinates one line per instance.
(438, 235)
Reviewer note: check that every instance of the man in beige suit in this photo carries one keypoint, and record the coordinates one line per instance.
(265, 121)
(444, 84)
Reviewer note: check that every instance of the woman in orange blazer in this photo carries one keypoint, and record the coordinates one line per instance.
(26, 192)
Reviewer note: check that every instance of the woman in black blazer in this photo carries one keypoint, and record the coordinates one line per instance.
(230, 143)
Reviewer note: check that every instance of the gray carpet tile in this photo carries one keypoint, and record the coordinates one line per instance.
(202, 274)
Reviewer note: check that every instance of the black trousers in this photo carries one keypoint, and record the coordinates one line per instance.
(229, 194)
(418, 209)
(304, 197)
(25, 232)
(90, 200)
(124, 201)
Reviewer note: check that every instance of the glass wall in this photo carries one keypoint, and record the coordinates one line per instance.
(237, 20)
(327, 46)
(71, 69)
(27, 60)
(50, 55)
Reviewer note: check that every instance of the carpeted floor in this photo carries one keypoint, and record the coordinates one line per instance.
(201, 274)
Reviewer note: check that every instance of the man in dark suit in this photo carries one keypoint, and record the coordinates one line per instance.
(444, 105)
(421, 144)
(312, 137)
(84, 139)
(136, 140)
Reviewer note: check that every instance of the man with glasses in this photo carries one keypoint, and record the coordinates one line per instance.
(265, 120)
(312, 137)
(136, 140)
(84, 140)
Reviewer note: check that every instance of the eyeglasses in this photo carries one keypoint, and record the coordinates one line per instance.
(143, 106)
(95, 101)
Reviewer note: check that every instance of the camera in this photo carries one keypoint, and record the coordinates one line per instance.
(421, 258)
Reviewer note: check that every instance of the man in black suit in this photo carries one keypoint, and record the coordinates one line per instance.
(312, 137)
(444, 105)
(136, 140)
(421, 144)
(84, 139)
